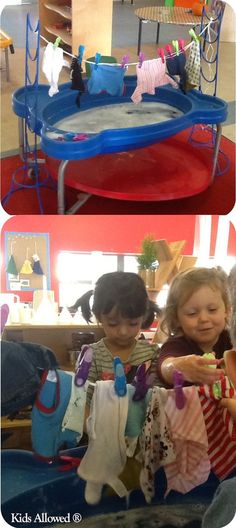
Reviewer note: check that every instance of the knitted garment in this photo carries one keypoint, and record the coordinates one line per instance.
(105, 457)
(26, 268)
(51, 66)
(156, 446)
(188, 432)
(106, 78)
(193, 64)
(221, 430)
(47, 415)
(176, 66)
(151, 75)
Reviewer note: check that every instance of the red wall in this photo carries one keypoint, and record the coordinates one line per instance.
(120, 234)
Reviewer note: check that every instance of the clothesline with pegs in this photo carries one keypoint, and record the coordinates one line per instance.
(126, 64)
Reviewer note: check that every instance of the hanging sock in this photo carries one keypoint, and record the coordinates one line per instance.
(36, 262)
(37, 266)
(176, 66)
(11, 267)
(76, 78)
(52, 65)
(26, 268)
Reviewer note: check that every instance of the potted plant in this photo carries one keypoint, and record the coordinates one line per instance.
(147, 261)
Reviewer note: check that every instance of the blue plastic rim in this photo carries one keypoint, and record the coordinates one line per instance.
(196, 108)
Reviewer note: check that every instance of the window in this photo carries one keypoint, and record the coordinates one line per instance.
(77, 272)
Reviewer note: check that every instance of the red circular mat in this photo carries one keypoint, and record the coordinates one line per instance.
(167, 170)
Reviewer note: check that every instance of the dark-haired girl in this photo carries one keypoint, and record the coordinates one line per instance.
(121, 304)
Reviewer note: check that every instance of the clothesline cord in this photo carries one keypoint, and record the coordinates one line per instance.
(174, 54)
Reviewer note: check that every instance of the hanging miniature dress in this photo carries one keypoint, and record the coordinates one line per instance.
(11, 266)
(150, 75)
(36, 263)
(76, 78)
(26, 268)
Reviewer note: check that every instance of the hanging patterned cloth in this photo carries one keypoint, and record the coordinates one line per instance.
(193, 64)
(26, 268)
(11, 266)
(36, 263)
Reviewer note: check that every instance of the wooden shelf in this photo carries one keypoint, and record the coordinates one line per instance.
(91, 24)
(64, 11)
(62, 33)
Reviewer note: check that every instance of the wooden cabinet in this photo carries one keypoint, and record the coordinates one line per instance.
(57, 337)
(86, 22)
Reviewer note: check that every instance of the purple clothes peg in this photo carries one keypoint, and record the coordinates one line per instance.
(84, 365)
(4, 315)
(178, 380)
(125, 61)
(142, 382)
(141, 59)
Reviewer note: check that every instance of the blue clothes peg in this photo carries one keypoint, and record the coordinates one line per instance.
(81, 49)
(120, 379)
(97, 59)
(84, 365)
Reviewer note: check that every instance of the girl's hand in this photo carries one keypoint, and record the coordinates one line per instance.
(194, 368)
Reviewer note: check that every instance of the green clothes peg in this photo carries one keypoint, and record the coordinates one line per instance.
(57, 42)
(216, 388)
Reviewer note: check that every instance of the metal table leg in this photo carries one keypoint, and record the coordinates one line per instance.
(82, 197)
(158, 32)
(216, 150)
(61, 187)
(139, 35)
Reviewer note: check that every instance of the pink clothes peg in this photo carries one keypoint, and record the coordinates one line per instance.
(169, 50)
(181, 45)
(141, 59)
(125, 61)
(162, 54)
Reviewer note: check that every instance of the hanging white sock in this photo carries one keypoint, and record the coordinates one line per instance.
(52, 65)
